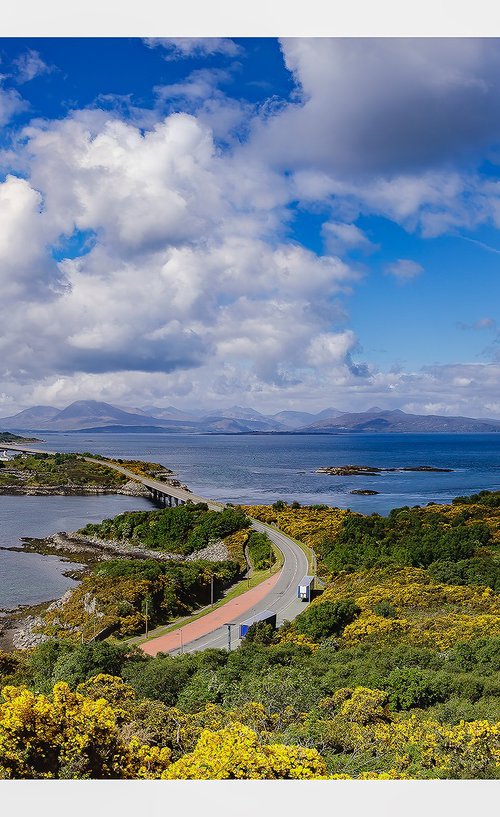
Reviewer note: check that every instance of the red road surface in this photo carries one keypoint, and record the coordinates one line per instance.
(235, 608)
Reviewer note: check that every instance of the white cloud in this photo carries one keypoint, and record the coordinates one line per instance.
(341, 238)
(404, 269)
(182, 47)
(29, 65)
(11, 103)
(188, 288)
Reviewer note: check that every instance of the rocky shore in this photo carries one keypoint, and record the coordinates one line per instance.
(130, 488)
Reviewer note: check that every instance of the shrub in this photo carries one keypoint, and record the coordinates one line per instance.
(326, 618)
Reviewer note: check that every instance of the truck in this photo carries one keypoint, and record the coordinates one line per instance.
(305, 588)
(266, 616)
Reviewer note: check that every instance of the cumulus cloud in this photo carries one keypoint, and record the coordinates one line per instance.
(380, 105)
(404, 269)
(184, 285)
(182, 47)
(183, 273)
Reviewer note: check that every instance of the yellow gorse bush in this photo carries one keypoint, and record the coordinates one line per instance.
(309, 525)
(235, 753)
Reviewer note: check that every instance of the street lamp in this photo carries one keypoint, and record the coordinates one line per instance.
(229, 624)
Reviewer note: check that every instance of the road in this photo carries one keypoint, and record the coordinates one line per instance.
(281, 598)
(280, 595)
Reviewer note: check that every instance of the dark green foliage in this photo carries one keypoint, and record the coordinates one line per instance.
(88, 660)
(481, 569)
(384, 608)
(260, 551)
(162, 678)
(412, 687)
(64, 470)
(183, 530)
(325, 619)
(406, 536)
(489, 498)
(259, 633)
(66, 661)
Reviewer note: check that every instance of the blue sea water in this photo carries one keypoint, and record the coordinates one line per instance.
(248, 469)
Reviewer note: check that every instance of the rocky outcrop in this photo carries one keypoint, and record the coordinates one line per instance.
(129, 488)
(373, 471)
(26, 634)
(215, 552)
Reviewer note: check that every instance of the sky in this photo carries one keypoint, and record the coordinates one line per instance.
(284, 224)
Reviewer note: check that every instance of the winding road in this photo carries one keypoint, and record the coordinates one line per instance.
(278, 593)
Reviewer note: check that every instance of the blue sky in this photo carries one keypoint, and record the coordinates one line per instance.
(285, 224)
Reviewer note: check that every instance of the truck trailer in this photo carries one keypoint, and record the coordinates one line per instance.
(305, 588)
(266, 616)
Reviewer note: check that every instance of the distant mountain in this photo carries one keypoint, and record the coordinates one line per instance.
(236, 424)
(398, 421)
(82, 414)
(169, 413)
(90, 415)
(294, 419)
(28, 418)
(328, 412)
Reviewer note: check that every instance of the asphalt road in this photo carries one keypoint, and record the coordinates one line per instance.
(282, 599)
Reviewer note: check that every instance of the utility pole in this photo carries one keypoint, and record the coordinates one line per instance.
(212, 590)
(228, 637)
(146, 617)
(182, 643)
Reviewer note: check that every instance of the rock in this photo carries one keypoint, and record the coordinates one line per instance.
(26, 635)
(215, 552)
(372, 470)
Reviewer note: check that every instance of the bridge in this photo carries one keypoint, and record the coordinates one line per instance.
(278, 594)
(162, 492)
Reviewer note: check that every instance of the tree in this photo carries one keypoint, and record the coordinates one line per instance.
(326, 618)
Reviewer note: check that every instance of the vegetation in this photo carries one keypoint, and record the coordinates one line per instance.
(58, 470)
(7, 437)
(143, 469)
(119, 594)
(392, 672)
(184, 529)
(260, 551)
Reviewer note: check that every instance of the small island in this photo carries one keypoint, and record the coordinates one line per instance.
(373, 471)
(364, 492)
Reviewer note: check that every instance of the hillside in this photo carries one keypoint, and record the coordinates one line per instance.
(400, 422)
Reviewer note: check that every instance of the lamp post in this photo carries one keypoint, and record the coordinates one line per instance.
(229, 624)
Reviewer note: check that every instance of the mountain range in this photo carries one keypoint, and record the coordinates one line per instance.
(93, 415)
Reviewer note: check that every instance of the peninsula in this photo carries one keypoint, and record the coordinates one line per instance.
(74, 474)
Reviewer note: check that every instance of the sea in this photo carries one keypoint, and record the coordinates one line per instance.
(247, 469)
